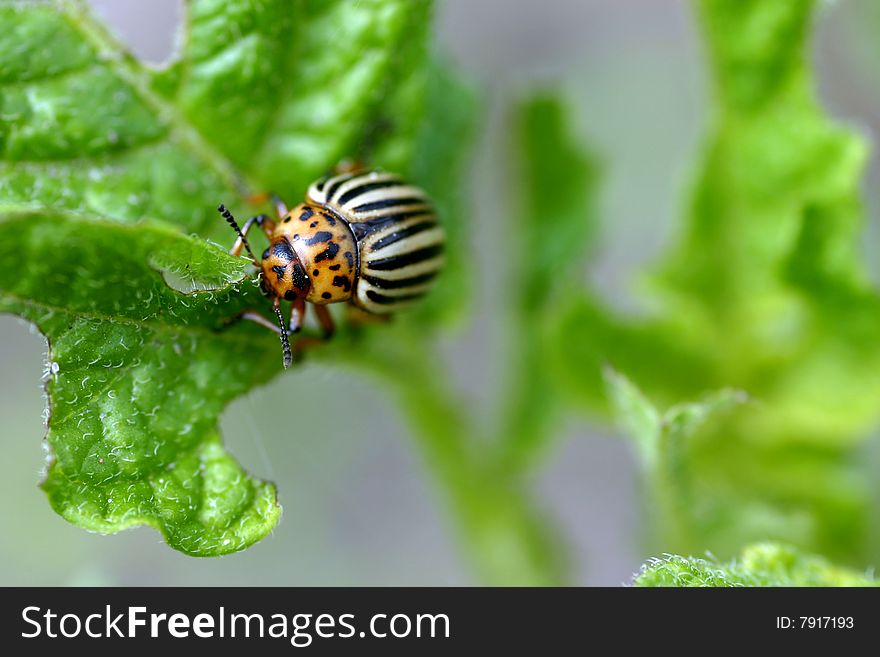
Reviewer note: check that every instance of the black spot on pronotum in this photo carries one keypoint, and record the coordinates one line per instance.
(314, 224)
(343, 282)
(296, 236)
(287, 219)
(329, 253)
(319, 237)
(281, 250)
(334, 267)
(290, 295)
(306, 214)
(350, 258)
(325, 295)
(300, 280)
(279, 271)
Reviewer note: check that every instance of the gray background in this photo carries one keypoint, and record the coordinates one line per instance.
(363, 512)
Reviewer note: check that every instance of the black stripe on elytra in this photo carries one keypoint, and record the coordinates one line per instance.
(363, 228)
(398, 235)
(335, 186)
(329, 253)
(343, 282)
(404, 259)
(281, 250)
(383, 300)
(317, 238)
(300, 279)
(389, 203)
(320, 184)
(397, 283)
(354, 192)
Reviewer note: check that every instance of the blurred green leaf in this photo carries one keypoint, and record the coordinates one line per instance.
(764, 292)
(664, 360)
(557, 220)
(138, 375)
(765, 564)
(507, 537)
(438, 156)
(662, 441)
(554, 227)
(100, 156)
(771, 240)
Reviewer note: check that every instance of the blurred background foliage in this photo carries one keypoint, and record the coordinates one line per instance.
(765, 290)
(745, 369)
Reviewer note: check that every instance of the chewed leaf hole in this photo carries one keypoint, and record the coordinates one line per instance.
(187, 275)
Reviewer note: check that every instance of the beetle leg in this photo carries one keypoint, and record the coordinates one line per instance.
(280, 206)
(348, 166)
(297, 314)
(263, 221)
(257, 318)
(359, 317)
(325, 319)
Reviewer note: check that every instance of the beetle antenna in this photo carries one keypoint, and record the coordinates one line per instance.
(285, 343)
(232, 222)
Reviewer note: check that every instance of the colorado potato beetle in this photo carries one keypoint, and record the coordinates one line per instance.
(363, 237)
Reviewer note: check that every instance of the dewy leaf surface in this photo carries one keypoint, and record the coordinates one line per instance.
(763, 564)
(103, 160)
(81, 131)
(138, 375)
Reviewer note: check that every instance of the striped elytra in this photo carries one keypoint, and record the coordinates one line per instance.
(363, 237)
(400, 243)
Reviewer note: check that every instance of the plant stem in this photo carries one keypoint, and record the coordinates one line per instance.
(505, 536)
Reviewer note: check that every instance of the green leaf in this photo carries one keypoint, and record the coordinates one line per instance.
(664, 443)
(553, 231)
(301, 81)
(654, 352)
(763, 292)
(81, 130)
(437, 159)
(138, 375)
(103, 160)
(764, 564)
(558, 216)
(771, 239)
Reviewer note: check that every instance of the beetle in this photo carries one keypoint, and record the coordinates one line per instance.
(361, 236)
